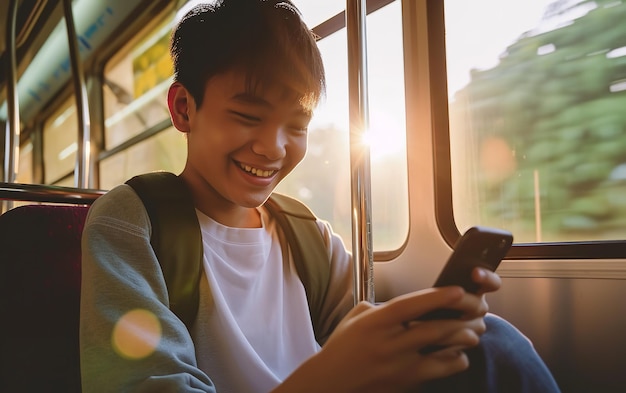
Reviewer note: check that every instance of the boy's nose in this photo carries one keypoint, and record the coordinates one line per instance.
(271, 143)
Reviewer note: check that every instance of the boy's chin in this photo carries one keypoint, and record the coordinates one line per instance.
(254, 201)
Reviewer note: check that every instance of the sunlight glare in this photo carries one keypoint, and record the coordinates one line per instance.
(384, 137)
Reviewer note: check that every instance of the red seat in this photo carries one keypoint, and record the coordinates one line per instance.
(40, 262)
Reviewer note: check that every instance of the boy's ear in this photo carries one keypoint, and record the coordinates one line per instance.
(179, 102)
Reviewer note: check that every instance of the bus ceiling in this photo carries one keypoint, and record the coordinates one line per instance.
(42, 52)
(28, 21)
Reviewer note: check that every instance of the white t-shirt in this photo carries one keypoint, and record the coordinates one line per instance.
(258, 327)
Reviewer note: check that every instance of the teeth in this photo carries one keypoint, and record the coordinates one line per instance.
(257, 172)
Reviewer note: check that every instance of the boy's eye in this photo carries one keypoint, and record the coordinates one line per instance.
(247, 117)
(299, 128)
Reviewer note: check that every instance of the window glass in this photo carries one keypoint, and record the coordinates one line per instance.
(66, 182)
(316, 12)
(135, 85)
(135, 100)
(313, 12)
(166, 151)
(60, 135)
(323, 179)
(537, 120)
(25, 169)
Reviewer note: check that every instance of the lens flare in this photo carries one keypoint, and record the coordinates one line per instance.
(137, 334)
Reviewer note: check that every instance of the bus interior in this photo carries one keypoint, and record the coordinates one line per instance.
(439, 115)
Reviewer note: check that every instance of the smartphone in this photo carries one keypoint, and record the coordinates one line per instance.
(479, 246)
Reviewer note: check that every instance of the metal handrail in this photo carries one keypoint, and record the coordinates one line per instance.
(83, 154)
(48, 194)
(362, 250)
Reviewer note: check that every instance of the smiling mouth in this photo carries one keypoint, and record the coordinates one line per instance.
(256, 171)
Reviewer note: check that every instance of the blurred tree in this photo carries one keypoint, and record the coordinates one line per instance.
(557, 98)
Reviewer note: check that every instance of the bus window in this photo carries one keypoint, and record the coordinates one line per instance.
(136, 80)
(323, 179)
(317, 12)
(60, 134)
(135, 86)
(166, 150)
(537, 119)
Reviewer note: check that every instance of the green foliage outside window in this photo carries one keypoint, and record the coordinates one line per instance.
(545, 129)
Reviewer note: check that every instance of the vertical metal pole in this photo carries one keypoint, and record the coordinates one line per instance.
(362, 254)
(83, 154)
(12, 143)
(12, 132)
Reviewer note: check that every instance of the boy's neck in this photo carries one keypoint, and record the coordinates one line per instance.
(236, 217)
(211, 203)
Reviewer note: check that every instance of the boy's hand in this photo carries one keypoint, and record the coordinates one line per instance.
(377, 348)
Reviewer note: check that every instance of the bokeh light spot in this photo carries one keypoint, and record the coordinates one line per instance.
(497, 159)
(137, 334)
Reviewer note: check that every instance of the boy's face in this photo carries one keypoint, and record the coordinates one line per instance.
(240, 145)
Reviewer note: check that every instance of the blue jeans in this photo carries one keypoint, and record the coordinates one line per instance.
(504, 362)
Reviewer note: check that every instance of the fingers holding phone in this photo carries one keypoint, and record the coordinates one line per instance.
(486, 280)
(454, 321)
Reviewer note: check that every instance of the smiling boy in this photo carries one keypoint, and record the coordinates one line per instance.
(248, 75)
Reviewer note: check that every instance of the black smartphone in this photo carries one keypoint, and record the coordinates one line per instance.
(479, 246)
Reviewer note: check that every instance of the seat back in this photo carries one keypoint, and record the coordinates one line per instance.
(40, 271)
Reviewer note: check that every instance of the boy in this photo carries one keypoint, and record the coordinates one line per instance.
(248, 75)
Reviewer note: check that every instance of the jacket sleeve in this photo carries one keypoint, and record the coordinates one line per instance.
(339, 297)
(130, 341)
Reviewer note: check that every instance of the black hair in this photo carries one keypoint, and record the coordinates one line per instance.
(265, 39)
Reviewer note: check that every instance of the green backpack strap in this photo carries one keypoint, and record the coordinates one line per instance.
(176, 238)
(309, 251)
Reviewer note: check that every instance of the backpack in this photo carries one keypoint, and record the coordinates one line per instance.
(177, 242)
